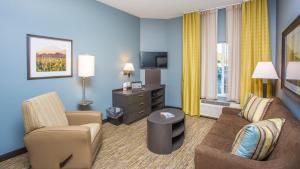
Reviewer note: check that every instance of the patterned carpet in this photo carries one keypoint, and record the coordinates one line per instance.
(124, 147)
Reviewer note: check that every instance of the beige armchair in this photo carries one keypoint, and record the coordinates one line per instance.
(57, 139)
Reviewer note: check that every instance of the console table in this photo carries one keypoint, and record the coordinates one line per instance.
(138, 104)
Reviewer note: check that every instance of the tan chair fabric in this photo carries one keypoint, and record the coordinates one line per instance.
(94, 129)
(49, 146)
(45, 110)
(51, 141)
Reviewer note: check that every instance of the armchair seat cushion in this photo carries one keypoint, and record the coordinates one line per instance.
(94, 129)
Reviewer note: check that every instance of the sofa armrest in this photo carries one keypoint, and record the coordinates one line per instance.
(84, 117)
(232, 111)
(212, 158)
(50, 146)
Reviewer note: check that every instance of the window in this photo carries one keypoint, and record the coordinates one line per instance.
(222, 64)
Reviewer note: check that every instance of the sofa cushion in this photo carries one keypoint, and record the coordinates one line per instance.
(217, 142)
(229, 125)
(233, 120)
(222, 134)
(255, 108)
(45, 110)
(94, 129)
(257, 140)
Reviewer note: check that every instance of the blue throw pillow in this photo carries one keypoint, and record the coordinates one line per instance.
(257, 140)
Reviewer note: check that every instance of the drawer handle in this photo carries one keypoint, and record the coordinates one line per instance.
(141, 112)
(141, 104)
(141, 95)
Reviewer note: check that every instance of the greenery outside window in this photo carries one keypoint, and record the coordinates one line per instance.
(222, 66)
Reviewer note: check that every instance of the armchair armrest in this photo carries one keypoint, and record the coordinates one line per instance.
(51, 146)
(212, 158)
(84, 117)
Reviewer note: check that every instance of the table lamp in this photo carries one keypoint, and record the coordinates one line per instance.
(128, 69)
(86, 69)
(264, 71)
(293, 71)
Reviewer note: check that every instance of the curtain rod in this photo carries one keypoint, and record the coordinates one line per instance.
(220, 7)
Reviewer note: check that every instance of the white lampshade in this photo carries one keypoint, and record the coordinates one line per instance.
(128, 67)
(86, 65)
(293, 71)
(264, 70)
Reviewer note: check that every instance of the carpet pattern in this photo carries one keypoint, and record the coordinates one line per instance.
(125, 147)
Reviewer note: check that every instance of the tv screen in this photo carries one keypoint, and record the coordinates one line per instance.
(154, 60)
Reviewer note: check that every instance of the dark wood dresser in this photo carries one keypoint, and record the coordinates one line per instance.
(138, 104)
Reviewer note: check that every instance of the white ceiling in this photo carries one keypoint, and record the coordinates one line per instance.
(165, 9)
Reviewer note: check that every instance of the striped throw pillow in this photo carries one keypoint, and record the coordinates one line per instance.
(255, 108)
(257, 140)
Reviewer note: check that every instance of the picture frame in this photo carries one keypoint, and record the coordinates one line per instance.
(49, 57)
(291, 56)
(137, 85)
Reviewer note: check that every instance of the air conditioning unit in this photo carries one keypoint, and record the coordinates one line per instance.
(213, 108)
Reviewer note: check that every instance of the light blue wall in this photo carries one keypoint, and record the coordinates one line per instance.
(174, 74)
(109, 34)
(165, 35)
(153, 34)
(272, 27)
(287, 11)
(153, 37)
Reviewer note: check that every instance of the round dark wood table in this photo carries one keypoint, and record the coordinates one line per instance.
(165, 135)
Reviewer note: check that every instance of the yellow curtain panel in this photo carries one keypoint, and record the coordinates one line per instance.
(255, 45)
(191, 64)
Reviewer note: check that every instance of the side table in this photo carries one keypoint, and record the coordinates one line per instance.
(165, 135)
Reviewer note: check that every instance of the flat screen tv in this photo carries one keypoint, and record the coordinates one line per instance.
(152, 60)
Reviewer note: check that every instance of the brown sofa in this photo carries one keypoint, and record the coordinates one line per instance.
(214, 151)
(57, 139)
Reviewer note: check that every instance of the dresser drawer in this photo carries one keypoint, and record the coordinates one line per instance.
(137, 104)
(128, 100)
(138, 98)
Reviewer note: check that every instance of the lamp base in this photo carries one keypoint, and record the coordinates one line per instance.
(85, 102)
(265, 84)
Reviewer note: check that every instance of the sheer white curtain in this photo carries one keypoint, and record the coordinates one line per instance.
(233, 20)
(209, 54)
